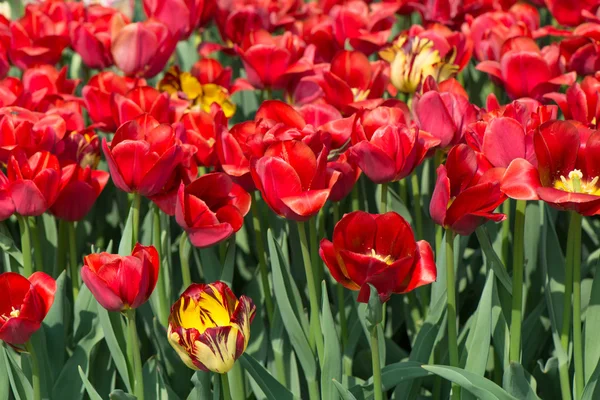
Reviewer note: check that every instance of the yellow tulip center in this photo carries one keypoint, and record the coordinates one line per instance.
(13, 314)
(389, 260)
(207, 312)
(360, 95)
(575, 184)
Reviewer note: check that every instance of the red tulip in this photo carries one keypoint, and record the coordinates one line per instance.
(141, 49)
(446, 41)
(5, 39)
(527, 71)
(143, 155)
(209, 70)
(211, 208)
(349, 174)
(146, 99)
(23, 305)
(79, 189)
(567, 169)
(379, 250)
(182, 17)
(384, 148)
(294, 179)
(81, 148)
(120, 283)
(580, 102)
(35, 40)
(97, 95)
(570, 13)
(201, 130)
(30, 186)
(467, 192)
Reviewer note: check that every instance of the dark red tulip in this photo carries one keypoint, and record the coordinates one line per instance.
(30, 185)
(580, 49)
(567, 169)
(379, 250)
(527, 71)
(294, 179)
(182, 17)
(120, 283)
(81, 148)
(580, 102)
(386, 149)
(79, 189)
(141, 49)
(143, 155)
(201, 132)
(146, 99)
(467, 192)
(349, 174)
(97, 95)
(211, 208)
(570, 13)
(23, 305)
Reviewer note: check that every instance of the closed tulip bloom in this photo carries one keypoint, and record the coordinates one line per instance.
(209, 327)
(143, 155)
(23, 305)
(467, 192)
(379, 250)
(120, 283)
(146, 99)
(211, 208)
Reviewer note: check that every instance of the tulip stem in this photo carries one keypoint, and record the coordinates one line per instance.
(384, 198)
(163, 303)
(225, 387)
(563, 368)
(377, 384)
(416, 193)
(576, 267)
(61, 252)
(262, 262)
(135, 357)
(73, 260)
(37, 244)
(506, 234)
(26, 245)
(135, 208)
(341, 295)
(314, 255)
(35, 372)
(451, 290)
(184, 257)
(517, 292)
(316, 339)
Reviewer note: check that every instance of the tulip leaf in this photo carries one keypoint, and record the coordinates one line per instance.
(272, 389)
(121, 395)
(179, 375)
(88, 386)
(331, 366)
(492, 259)
(4, 379)
(155, 386)
(201, 390)
(114, 336)
(479, 386)
(292, 325)
(229, 264)
(392, 375)
(8, 246)
(126, 243)
(344, 393)
(20, 386)
(592, 327)
(592, 389)
(54, 327)
(516, 381)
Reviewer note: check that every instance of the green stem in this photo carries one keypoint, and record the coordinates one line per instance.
(37, 244)
(377, 385)
(316, 339)
(225, 387)
(318, 271)
(451, 289)
(163, 303)
(416, 192)
(35, 372)
(355, 198)
(342, 313)
(577, 342)
(26, 245)
(61, 251)
(517, 294)
(184, 257)
(137, 201)
(506, 234)
(403, 191)
(262, 262)
(384, 198)
(73, 262)
(135, 357)
(313, 390)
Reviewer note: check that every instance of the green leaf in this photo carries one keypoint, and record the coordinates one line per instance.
(125, 245)
(479, 386)
(591, 355)
(516, 382)
(155, 386)
(268, 384)
(492, 258)
(292, 325)
(121, 395)
(343, 392)
(88, 386)
(179, 374)
(4, 376)
(229, 264)
(8, 246)
(201, 381)
(54, 327)
(20, 386)
(331, 367)
(374, 314)
(114, 335)
(592, 389)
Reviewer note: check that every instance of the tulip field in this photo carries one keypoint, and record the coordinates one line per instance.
(299, 199)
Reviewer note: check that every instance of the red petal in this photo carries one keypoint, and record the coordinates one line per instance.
(440, 197)
(352, 67)
(504, 141)
(101, 291)
(556, 146)
(521, 180)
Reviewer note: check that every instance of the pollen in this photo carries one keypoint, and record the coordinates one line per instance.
(576, 184)
(13, 314)
(387, 259)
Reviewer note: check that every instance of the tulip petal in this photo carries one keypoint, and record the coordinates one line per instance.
(337, 270)
(504, 141)
(394, 236)
(521, 180)
(440, 197)
(101, 291)
(45, 286)
(28, 199)
(425, 271)
(556, 146)
(373, 161)
(18, 331)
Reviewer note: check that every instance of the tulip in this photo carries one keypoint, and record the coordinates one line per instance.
(349, 174)
(449, 43)
(580, 102)
(209, 327)
(146, 99)
(567, 169)
(79, 189)
(23, 305)
(121, 283)
(266, 63)
(467, 192)
(211, 208)
(384, 148)
(201, 132)
(182, 17)
(143, 155)
(97, 95)
(570, 13)
(379, 250)
(30, 186)
(82, 148)
(141, 49)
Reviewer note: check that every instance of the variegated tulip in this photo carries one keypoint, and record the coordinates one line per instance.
(209, 327)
